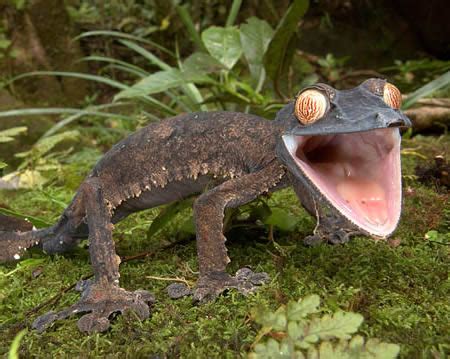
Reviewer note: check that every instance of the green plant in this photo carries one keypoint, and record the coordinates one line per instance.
(297, 332)
(228, 72)
(215, 77)
(426, 90)
(15, 345)
(39, 160)
(8, 136)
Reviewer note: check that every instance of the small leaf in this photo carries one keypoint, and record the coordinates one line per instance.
(356, 343)
(281, 219)
(326, 351)
(341, 325)
(2, 165)
(275, 320)
(224, 44)
(45, 144)
(373, 349)
(302, 308)
(295, 330)
(255, 38)
(201, 62)
(380, 350)
(271, 350)
(7, 135)
(161, 81)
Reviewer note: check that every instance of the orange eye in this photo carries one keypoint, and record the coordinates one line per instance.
(392, 96)
(310, 106)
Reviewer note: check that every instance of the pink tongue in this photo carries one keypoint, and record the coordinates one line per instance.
(366, 198)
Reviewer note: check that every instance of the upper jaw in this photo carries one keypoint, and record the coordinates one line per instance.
(336, 122)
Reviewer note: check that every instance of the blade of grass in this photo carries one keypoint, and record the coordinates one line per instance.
(66, 121)
(101, 79)
(187, 21)
(124, 36)
(432, 86)
(15, 345)
(125, 69)
(233, 12)
(189, 89)
(37, 222)
(111, 60)
(146, 54)
(96, 78)
(59, 111)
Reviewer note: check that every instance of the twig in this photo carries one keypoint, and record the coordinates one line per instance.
(430, 112)
(171, 279)
(405, 152)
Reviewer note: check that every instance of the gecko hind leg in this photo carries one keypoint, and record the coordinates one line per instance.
(102, 296)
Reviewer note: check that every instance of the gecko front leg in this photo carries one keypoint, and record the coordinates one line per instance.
(103, 296)
(212, 254)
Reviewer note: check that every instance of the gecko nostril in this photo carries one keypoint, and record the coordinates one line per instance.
(396, 123)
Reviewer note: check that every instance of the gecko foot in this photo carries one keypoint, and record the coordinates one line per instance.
(209, 287)
(245, 281)
(100, 302)
(337, 237)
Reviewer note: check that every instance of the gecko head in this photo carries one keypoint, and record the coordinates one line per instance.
(344, 148)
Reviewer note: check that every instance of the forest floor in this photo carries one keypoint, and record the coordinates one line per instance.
(401, 286)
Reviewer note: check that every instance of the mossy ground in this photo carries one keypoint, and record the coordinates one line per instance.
(401, 286)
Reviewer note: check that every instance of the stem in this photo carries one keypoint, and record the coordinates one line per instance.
(187, 21)
(233, 12)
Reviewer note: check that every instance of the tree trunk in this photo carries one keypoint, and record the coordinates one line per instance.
(41, 36)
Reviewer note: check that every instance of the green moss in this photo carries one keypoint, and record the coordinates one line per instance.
(401, 286)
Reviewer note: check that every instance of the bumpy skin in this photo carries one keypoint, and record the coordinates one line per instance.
(228, 158)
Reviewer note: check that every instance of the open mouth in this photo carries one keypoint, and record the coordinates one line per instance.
(358, 173)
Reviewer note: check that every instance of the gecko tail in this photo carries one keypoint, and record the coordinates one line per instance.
(14, 244)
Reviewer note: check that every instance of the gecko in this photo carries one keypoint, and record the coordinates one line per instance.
(338, 149)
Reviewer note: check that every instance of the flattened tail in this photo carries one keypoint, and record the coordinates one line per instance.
(13, 244)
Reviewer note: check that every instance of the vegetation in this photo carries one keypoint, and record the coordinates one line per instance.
(249, 63)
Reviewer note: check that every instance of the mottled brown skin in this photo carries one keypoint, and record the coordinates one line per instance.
(226, 158)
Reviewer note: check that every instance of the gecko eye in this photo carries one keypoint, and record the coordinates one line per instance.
(392, 96)
(310, 106)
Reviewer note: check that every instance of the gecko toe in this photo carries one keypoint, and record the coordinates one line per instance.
(100, 303)
(245, 281)
(178, 290)
(249, 281)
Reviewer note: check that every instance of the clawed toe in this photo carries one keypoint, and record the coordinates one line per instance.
(249, 281)
(100, 303)
(337, 237)
(210, 286)
(178, 290)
